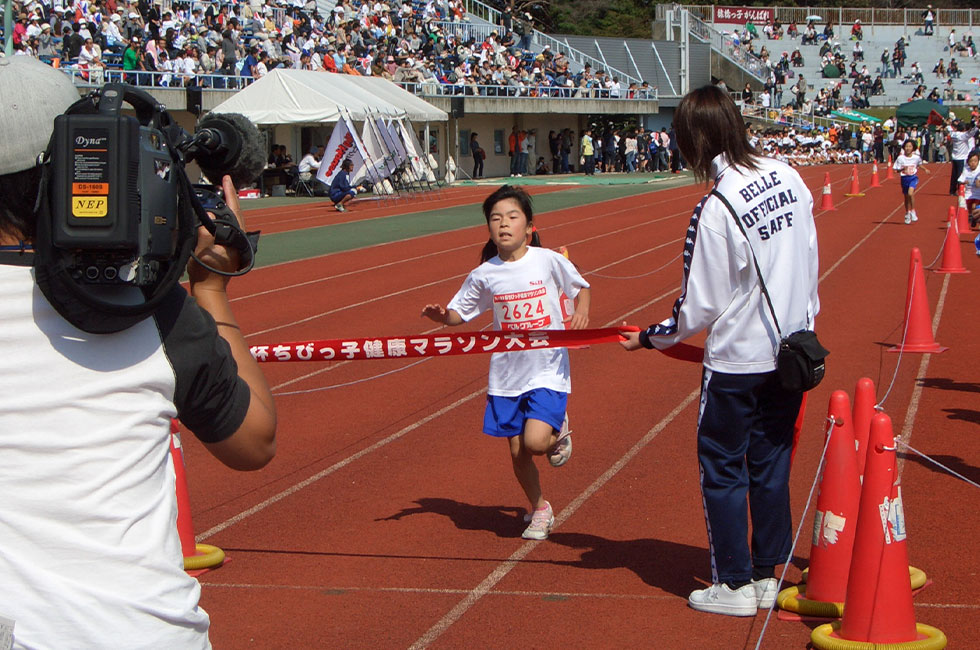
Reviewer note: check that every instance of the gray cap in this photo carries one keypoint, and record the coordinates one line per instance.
(27, 118)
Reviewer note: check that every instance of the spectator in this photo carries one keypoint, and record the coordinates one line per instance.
(856, 33)
(928, 21)
(747, 93)
(478, 155)
(954, 69)
(587, 148)
(940, 69)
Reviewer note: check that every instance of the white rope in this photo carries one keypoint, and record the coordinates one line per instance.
(936, 462)
(634, 277)
(901, 348)
(351, 383)
(799, 529)
(942, 248)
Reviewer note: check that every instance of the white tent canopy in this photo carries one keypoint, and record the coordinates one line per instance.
(308, 97)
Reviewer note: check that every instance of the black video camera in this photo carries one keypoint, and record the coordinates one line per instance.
(117, 214)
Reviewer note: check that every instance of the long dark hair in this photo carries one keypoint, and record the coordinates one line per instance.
(508, 192)
(708, 123)
(18, 192)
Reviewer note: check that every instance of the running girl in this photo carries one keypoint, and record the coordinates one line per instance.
(971, 182)
(907, 165)
(528, 389)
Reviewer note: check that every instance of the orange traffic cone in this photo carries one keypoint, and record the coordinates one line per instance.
(917, 327)
(797, 429)
(891, 172)
(198, 558)
(827, 200)
(879, 595)
(833, 524)
(952, 258)
(874, 175)
(863, 411)
(855, 183)
(962, 216)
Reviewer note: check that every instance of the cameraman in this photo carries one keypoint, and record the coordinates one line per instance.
(89, 550)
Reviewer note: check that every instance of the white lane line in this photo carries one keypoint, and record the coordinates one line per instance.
(334, 590)
(508, 565)
(428, 590)
(913, 407)
(333, 468)
(245, 514)
(416, 258)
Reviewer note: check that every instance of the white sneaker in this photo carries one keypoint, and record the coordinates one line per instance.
(765, 592)
(541, 522)
(915, 217)
(561, 451)
(720, 599)
(908, 217)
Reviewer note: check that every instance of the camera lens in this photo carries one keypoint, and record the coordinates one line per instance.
(92, 273)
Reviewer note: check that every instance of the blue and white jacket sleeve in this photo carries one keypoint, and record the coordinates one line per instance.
(708, 286)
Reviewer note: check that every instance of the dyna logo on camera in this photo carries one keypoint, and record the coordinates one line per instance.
(83, 141)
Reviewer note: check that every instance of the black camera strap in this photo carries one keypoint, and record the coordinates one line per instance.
(755, 262)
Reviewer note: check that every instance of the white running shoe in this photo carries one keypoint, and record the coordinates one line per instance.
(908, 217)
(915, 217)
(541, 522)
(765, 592)
(721, 599)
(561, 451)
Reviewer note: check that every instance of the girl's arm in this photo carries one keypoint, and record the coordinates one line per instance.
(440, 314)
(580, 319)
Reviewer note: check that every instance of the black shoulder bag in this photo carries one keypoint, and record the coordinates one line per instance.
(800, 361)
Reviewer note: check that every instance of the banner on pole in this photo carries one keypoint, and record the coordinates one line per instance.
(343, 143)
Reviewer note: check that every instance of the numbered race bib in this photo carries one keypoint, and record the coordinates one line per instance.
(524, 310)
(909, 170)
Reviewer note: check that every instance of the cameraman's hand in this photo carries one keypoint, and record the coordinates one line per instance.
(219, 257)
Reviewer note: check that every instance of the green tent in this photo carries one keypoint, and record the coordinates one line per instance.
(917, 113)
(831, 72)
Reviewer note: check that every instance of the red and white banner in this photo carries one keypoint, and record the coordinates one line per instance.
(343, 143)
(433, 345)
(742, 15)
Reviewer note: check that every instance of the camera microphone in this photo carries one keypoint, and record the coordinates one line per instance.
(228, 143)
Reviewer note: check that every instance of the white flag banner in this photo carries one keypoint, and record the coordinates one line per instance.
(377, 149)
(395, 139)
(412, 150)
(343, 143)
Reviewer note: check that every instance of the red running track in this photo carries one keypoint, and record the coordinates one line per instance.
(389, 520)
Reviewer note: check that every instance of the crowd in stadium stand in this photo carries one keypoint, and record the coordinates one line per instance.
(409, 43)
(844, 69)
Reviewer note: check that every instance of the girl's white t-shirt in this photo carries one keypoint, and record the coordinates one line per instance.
(524, 295)
(907, 165)
(969, 178)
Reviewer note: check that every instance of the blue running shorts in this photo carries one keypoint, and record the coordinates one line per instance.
(909, 181)
(505, 416)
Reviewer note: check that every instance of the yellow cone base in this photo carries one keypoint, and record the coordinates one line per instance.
(207, 557)
(793, 600)
(917, 576)
(825, 637)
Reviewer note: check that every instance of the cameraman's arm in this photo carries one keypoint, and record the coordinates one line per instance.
(254, 443)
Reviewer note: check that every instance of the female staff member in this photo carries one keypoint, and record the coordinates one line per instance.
(745, 431)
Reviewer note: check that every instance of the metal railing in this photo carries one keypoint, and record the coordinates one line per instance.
(492, 16)
(869, 16)
(95, 77)
(533, 91)
(728, 47)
